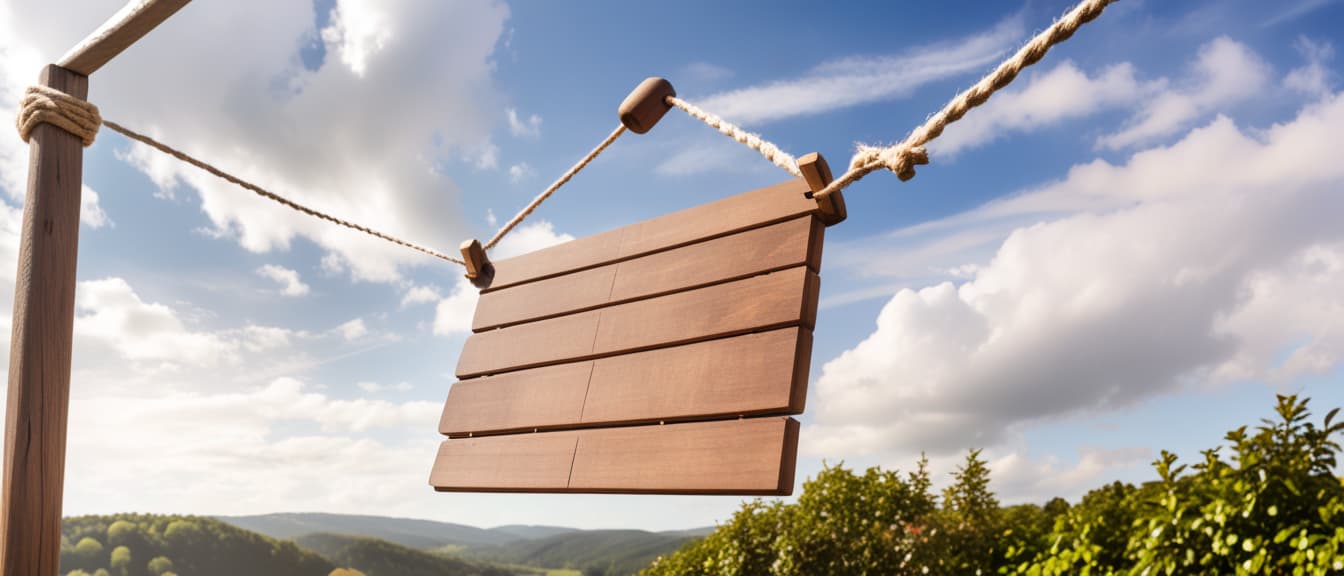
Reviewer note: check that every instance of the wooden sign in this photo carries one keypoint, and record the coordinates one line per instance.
(661, 357)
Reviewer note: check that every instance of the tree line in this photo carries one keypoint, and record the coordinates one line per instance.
(1268, 502)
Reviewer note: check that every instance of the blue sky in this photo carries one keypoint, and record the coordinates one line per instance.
(1132, 248)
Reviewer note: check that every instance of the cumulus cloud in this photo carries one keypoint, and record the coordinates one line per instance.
(1226, 72)
(520, 171)
(417, 294)
(110, 312)
(353, 330)
(319, 133)
(1314, 78)
(374, 387)
(1046, 99)
(289, 281)
(861, 80)
(1135, 279)
(529, 128)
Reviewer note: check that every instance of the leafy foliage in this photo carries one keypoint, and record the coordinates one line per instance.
(1274, 507)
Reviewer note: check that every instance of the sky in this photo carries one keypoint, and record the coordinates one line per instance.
(1132, 248)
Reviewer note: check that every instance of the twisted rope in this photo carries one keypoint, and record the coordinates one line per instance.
(532, 206)
(44, 104)
(754, 141)
(267, 194)
(902, 157)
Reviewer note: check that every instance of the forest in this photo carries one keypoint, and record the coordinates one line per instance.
(1267, 502)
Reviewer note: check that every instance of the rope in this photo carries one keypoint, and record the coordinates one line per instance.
(901, 158)
(264, 193)
(44, 104)
(754, 141)
(532, 206)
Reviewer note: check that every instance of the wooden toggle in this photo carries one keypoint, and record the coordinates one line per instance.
(479, 269)
(646, 104)
(818, 175)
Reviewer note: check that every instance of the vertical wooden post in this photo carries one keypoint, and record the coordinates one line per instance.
(39, 352)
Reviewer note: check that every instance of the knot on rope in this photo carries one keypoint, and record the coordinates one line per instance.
(43, 104)
(900, 159)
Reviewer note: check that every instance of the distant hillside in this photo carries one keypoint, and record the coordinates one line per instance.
(411, 533)
(151, 545)
(607, 552)
(533, 532)
(382, 558)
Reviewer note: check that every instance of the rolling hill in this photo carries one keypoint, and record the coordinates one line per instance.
(408, 532)
(608, 552)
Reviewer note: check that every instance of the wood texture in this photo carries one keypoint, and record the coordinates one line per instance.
(39, 355)
(646, 105)
(475, 260)
(795, 242)
(722, 217)
(123, 29)
(752, 374)
(747, 456)
(817, 173)
(776, 300)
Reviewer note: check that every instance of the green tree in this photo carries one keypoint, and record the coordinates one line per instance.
(121, 560)
(160, 565)
(89, 554)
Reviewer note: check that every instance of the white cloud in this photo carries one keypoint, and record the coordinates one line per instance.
(321, 136)
(109, 312)
(861, 80)
(418, 294)
(289, 281)
(529, 128)
(90, 212)
(1045, 99)
(520, 171)
(453, 314)
(1226, 72)
(1313, 78)
(353, 330)
(1129, 286)
(374, 387)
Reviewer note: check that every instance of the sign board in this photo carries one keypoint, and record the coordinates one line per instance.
(662, 357)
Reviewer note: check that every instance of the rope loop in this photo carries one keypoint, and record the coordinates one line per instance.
(47, 105)
(900, 159)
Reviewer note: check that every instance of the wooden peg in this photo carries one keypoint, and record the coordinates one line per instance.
(818, 174)
(479, 269)
(646, 104)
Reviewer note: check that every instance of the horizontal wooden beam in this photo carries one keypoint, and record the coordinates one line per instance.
(795, 242)
(123, 29)
(753, 456)
(753, 374)
(719, 218)
(776, 300)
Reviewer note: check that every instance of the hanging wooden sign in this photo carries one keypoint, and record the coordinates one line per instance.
(661, 357)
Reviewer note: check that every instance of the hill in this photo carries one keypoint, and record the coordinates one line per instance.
(607, 552)
(529, 532)
(408, 532)
(382, 558)
(151, 545)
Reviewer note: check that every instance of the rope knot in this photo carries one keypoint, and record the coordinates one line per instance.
(900, 159)
(43, 104)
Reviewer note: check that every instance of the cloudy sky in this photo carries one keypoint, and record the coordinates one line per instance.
(1133, 248)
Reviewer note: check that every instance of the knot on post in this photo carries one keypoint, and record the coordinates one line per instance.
(43, 104)
(900, 159)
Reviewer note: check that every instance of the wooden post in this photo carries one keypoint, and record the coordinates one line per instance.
(39, 353)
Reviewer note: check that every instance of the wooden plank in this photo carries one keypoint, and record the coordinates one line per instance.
(754, 456)
(514, 463)
(123, 29)
(775, 300)
(733, 214)
(749, 456)
(778, 246)
(40, 342)
(752, 374)
(541, 398)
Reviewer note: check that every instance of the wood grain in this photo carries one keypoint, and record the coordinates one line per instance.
(514, 463)
(733, 214)
(775, 300)
(775, 247)
(123, 29)
(37, 407)
(753, 374)
(754, 456)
